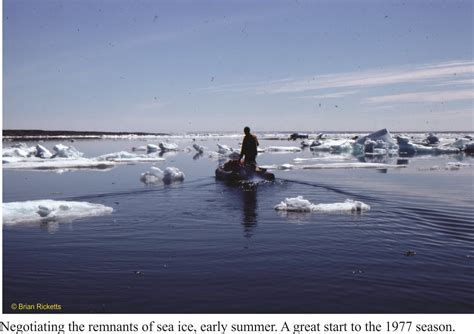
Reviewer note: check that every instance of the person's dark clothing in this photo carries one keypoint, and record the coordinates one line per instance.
(249, 149)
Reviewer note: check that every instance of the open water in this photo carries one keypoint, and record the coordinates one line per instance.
(203, 246)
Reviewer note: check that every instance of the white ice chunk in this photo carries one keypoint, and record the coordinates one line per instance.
(333, 145)
(50, 210)
(128, 157)
(150, 148)
(63, 151)
(343, 165)
(383, 135)
(42, 152)
(172, 174)
(323, 158)
(157, 176)
(283, 149)
(55, 164)
(299, 204)
(165, 147)
(224, 149)
(15, 152)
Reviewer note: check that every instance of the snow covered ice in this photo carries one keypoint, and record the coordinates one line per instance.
(50, 210)
(299, 204)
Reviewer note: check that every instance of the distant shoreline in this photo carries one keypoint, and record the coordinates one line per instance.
(59, 134)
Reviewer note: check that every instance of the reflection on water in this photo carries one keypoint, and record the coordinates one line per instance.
(249, 219)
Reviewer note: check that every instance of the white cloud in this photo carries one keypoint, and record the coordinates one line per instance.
(432, 96)
(330, 95)
(432, 73)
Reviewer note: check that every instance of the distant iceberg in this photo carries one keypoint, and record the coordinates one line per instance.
(50, 210)
(299, 204)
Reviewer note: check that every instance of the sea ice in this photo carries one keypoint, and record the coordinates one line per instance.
(226, 151)
(166, 147)
(344, 165)
(124, 156)
(50, 210)
(283, 149)
(63, 151)
(299, 204)
(333, 145)
(55, 164)
(383, 135)
(42, 152)
(157, 176)
(408, 147)
(150, 148)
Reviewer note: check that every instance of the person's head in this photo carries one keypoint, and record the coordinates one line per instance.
(247, 130)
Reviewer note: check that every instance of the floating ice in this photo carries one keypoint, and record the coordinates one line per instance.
(299, 204)
(165, 147)
(408, 147)
(42, 152)
(322, 158)
(333, 145)
(383, 135)
(63, 151)
(50, 210)
(345, 165)
(150, 148)
(55, 164)
(172, 174)
(157, 176)
(124, 156)
(20, 150)
(226, 151)
(283, 149)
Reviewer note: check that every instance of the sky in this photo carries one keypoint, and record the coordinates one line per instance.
(181, 66)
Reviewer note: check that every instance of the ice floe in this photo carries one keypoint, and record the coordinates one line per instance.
(406, 146)
(55, 164)
(128, 157)
(157, 176)
(341, 165)
(299, 204)
(42, 152)
(166, 147)
(283, 149)
(63, 151)
(50, 210)
(333, 145)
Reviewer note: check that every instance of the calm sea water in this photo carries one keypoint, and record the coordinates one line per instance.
(205, 246)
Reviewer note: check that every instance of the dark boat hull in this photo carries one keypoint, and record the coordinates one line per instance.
(243, 174)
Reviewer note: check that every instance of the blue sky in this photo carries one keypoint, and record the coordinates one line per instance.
(178, 66)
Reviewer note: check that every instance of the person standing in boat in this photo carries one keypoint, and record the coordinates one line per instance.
(249, 148)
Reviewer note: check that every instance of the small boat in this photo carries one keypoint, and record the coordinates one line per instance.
(233, 171)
